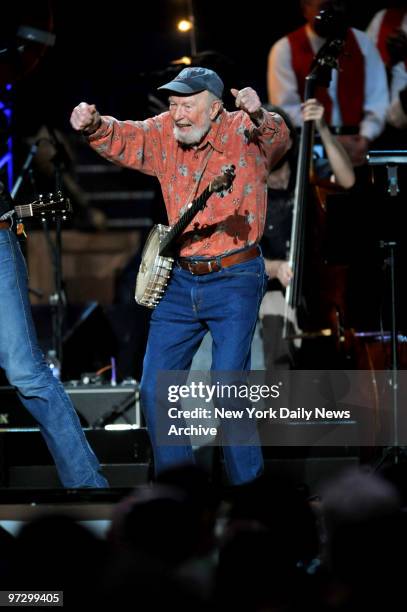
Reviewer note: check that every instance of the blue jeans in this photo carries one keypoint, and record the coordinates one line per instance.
(226, 303)
(40, 392)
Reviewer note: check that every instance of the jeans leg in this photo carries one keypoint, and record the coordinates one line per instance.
(232, 323)
(40, 392)
(174, 336)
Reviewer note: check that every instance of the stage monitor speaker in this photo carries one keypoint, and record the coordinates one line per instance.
(100, 405)
(96, 405)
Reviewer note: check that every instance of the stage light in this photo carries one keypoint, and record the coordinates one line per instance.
(189, 25)
(185, 59)
(185, 25)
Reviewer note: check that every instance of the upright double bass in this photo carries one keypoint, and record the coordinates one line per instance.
(311, 293)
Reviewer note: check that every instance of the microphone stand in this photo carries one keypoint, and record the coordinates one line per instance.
(57, 299)
(25, 168)
(391, 159)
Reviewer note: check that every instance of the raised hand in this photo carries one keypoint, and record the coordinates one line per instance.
(248, 101)
(85, 118)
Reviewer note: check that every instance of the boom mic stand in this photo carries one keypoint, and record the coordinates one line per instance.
(391, 159)
(57, 299)
(25, 168)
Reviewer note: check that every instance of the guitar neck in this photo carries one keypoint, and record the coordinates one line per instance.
(24, 210)
(177, 229)
(52, 206)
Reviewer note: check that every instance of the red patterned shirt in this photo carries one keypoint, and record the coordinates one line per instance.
(228, 223)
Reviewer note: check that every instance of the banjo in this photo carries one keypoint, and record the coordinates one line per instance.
(157, 258)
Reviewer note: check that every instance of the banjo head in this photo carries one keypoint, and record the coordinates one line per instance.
(154, 270)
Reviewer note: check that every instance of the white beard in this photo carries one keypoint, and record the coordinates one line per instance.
(194, 135)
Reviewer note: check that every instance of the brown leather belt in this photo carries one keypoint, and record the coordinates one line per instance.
(4, 225)
(212, 265)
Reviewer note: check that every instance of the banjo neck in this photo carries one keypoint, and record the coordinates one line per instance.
(176, 230)
(218, 185)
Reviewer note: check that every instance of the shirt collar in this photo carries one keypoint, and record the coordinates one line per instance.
(213, 137)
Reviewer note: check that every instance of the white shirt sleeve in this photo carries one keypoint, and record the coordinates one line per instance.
(395, 113)
(376, 89)
(282, 83)
(374, 26)
(398, 72)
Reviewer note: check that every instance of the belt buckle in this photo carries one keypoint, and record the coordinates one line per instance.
(210, 263)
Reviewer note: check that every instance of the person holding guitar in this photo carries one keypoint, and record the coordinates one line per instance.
(25, 367)
(218, 278)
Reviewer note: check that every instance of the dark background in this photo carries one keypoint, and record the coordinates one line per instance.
(102, 51)
(116, 54)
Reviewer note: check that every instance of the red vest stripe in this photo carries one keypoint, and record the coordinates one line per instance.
(351, 79)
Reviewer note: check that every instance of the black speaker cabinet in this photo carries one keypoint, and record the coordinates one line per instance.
(100, 405)
(96, 405)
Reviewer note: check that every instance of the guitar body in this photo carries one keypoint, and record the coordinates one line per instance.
(155, 269)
